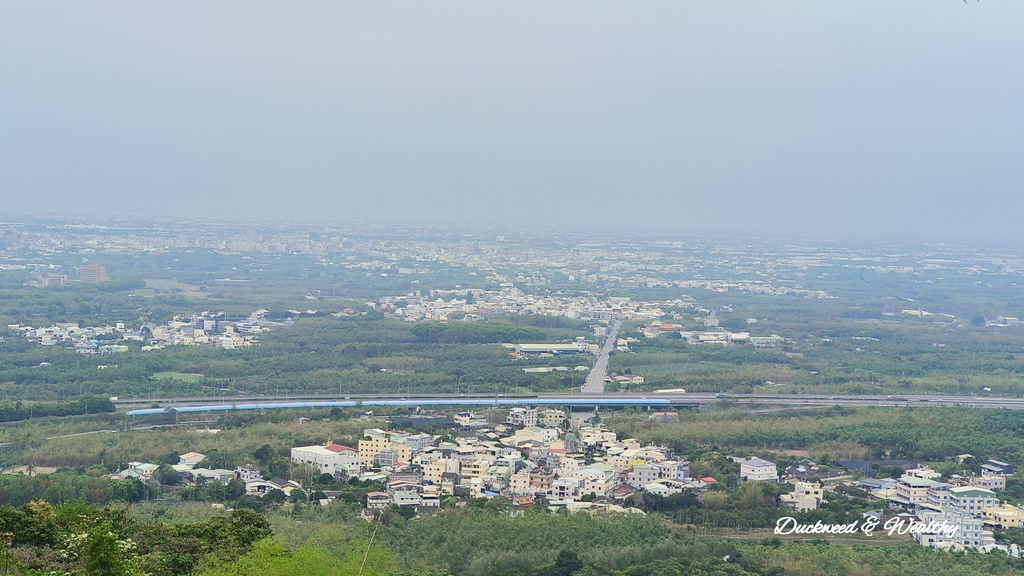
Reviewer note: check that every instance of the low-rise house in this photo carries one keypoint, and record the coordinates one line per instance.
(519, 483)
(542, 478)
(143, 470)
(407, 498)
(989, 482)
(262, 487)
(664, 487)
(191, 458)
(429, 502)
(217, 474)
(377, 500)
(248, 473)
(552, 417)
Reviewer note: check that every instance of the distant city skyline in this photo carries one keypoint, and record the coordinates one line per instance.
(866, 121)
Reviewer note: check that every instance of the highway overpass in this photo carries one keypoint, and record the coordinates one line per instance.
(651, 400)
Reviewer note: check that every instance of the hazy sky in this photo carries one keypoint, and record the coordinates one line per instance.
(812, 118)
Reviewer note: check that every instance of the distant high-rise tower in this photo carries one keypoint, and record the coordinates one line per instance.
(93, 273)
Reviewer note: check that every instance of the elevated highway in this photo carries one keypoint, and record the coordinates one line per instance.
(650, 400)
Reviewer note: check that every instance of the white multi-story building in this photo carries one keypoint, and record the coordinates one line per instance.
(938, 494)
(418, 442)
(971, 500)
(643, 474)
(969, 532)
(567, 488)
(326, 458)
(570, 466)
(674, 469)
(522, 416)
(758, 470)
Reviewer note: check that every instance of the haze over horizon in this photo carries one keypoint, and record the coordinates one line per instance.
(872, 120)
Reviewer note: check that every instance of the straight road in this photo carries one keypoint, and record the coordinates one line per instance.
(595, 380)
(649, 400)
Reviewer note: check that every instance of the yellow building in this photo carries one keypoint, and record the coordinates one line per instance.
(433, 471)
(805, 496)
(370, 447)
(1006, 516)
(476, 469)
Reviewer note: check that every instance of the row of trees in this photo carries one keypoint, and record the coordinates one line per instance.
(25, 410)
(19, 489)
(919, 434)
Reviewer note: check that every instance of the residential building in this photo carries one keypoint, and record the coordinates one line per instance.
(805, 496)
(418, 442)
(522, 417)
(433, 471)
(643, 474)
(664, 487)
(387, 458)
(542, 478)
(476, 468)
(971, 500)
(248, 473)
(407, 498)
(519, 483)
(758, 470)
(566, 488)
(673, 469)
(913, 490)
(191, 458)
(989, 482)
(969, 532)
(371, 445)
(378, 500)
(552, 417)
(938, 495)
(923, 472)
(1005, 516)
